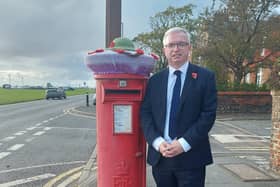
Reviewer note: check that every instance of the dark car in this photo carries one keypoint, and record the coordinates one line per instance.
(6, 86)
(55, 93)
(94, 99)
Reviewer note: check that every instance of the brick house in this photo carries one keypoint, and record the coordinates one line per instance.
(262, 74)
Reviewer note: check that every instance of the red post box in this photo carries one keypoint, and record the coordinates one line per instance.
(121, 148)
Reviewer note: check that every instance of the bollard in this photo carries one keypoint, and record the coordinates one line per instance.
(87, 100)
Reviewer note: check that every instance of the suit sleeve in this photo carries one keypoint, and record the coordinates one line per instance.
(199, 130)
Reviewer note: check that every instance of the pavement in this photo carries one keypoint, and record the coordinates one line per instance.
(248, 167)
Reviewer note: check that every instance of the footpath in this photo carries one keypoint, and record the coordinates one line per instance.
(234, 168)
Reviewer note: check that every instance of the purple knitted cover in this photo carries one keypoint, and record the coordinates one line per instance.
(111, 62)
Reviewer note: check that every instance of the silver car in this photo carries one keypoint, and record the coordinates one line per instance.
(53, 93)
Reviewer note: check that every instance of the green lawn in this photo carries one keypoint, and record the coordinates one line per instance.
(8, 96)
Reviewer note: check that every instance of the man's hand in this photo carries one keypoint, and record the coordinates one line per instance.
(163, 147)
(171, 149)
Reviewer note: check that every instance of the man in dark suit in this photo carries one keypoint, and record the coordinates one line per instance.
(177, 113)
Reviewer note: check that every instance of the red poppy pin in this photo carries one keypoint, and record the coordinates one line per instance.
(194, 75)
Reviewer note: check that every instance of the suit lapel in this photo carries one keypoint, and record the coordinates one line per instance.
(187, 84)
(163, 95)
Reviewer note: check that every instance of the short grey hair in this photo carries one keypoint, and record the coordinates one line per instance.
(176, 30)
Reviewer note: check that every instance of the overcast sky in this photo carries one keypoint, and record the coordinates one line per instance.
(46, 40)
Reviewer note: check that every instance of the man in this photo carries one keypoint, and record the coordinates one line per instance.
(176, 125)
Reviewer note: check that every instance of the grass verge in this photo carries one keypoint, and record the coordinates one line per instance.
(9, 96)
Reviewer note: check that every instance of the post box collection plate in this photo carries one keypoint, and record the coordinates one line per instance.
(122, 118)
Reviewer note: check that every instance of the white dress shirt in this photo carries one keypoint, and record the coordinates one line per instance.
(170, 85)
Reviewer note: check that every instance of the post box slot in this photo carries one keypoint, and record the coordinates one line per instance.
(109, 91)
(122, 95)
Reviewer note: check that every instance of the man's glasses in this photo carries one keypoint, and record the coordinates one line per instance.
(180, 45)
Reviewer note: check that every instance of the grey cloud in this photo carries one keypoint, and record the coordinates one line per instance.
(40, 28)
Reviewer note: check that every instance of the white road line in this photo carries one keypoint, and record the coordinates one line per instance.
(267, 137)
(247, 148)
(4, 154)
(38, 124)
(47, 128)
(43, 165)
(31, 128)
(262, 162)
(46, 121)
(39, 133)
(51, 119)
(20, 133)
(29, 139)
(71, 128)
(15, 147)
(8, 138)
(27, 180)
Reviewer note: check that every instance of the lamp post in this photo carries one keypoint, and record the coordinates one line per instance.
(113, 20)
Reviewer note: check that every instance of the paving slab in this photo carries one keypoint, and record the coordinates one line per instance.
(248, 173)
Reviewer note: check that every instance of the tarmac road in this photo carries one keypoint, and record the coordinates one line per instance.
(240, 145)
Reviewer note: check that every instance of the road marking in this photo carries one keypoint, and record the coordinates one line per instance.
(81, 115)
(31, 128)
(41, 166)
(4, 154)
(15, 147)
(46, 121)
(47, 128)
(248, 148)
(39, 133)
(217, 122)
(29, 139)
(254, 157)
(8, 138)
(61, 176)
(0, 144)
(267, 137)
(38, 124)
(27, 180)
(20, 133)
(51, 119)
(70, 179)
(73, 128)
(238, 138)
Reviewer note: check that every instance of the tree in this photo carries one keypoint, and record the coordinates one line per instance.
(236, 34)
(49, 85)
(162, 21)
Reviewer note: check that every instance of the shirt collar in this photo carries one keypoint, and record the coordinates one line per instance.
(183, 68)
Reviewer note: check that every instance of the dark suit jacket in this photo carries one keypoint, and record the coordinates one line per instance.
(196, 115)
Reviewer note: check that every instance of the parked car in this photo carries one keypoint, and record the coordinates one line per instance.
(94, 99)
(55, 93)
(6, 86)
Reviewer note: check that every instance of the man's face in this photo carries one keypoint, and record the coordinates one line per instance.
(176, 49)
